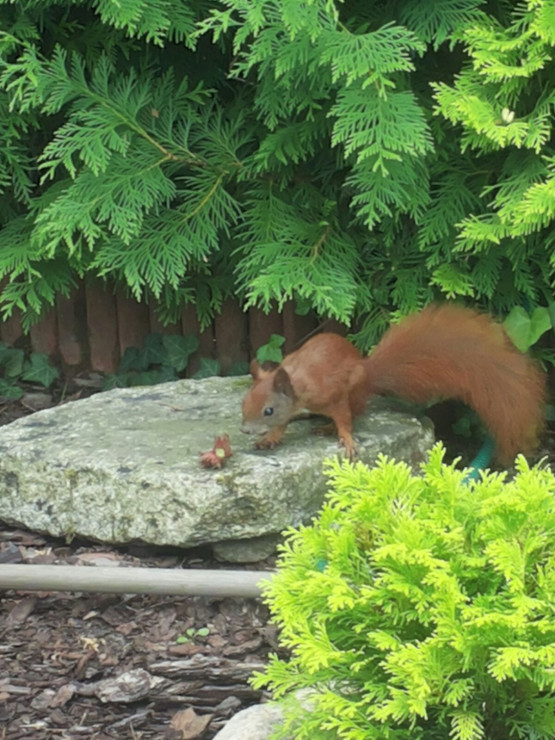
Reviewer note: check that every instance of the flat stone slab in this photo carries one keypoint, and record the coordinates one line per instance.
(124, 466)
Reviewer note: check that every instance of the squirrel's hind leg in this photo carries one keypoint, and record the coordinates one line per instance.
(344, 423)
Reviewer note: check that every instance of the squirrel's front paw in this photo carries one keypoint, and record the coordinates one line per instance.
(265, 444)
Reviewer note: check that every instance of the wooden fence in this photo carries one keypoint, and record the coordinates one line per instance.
(91, 329)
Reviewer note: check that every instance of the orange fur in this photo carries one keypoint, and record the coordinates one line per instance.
(445, 351)
(326, 376)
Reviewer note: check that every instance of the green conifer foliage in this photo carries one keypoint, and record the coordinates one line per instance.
(362, 157)
(419, 607)
(503, 103)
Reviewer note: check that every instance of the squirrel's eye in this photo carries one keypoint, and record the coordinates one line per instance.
(268, 411)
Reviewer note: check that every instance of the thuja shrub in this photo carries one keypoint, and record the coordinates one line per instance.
(361, 158)
(419, 607)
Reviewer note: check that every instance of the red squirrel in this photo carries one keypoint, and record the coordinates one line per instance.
(445, 351)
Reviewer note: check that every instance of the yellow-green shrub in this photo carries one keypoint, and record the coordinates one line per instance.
(420, 608)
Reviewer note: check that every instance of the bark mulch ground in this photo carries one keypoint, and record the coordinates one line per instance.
(122, 666)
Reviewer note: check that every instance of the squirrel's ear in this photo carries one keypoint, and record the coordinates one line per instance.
(282, 383)
(259, 371)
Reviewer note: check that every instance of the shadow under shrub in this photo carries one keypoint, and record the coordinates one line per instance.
(419, 607)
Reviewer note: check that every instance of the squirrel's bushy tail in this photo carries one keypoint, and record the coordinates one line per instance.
(449, 351)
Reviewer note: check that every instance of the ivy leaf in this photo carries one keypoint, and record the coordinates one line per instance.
(37, 369)
(133, 359)
(271, 351)
(12, 360)
(178, 349)
(154, 350)
(151, 377)
(166, 374)
(208, 368)
(112, 380)
(525, 330)
(238, 368)
(9, 391)
(517, 326)
(539, 324)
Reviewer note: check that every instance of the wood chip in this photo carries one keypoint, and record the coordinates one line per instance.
(63, 695)
(21, 611)
(188, 724)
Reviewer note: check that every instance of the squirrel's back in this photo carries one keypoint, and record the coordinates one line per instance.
(448, 351)
(324, 369)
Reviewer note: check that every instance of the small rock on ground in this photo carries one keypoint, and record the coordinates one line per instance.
(254, 723)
